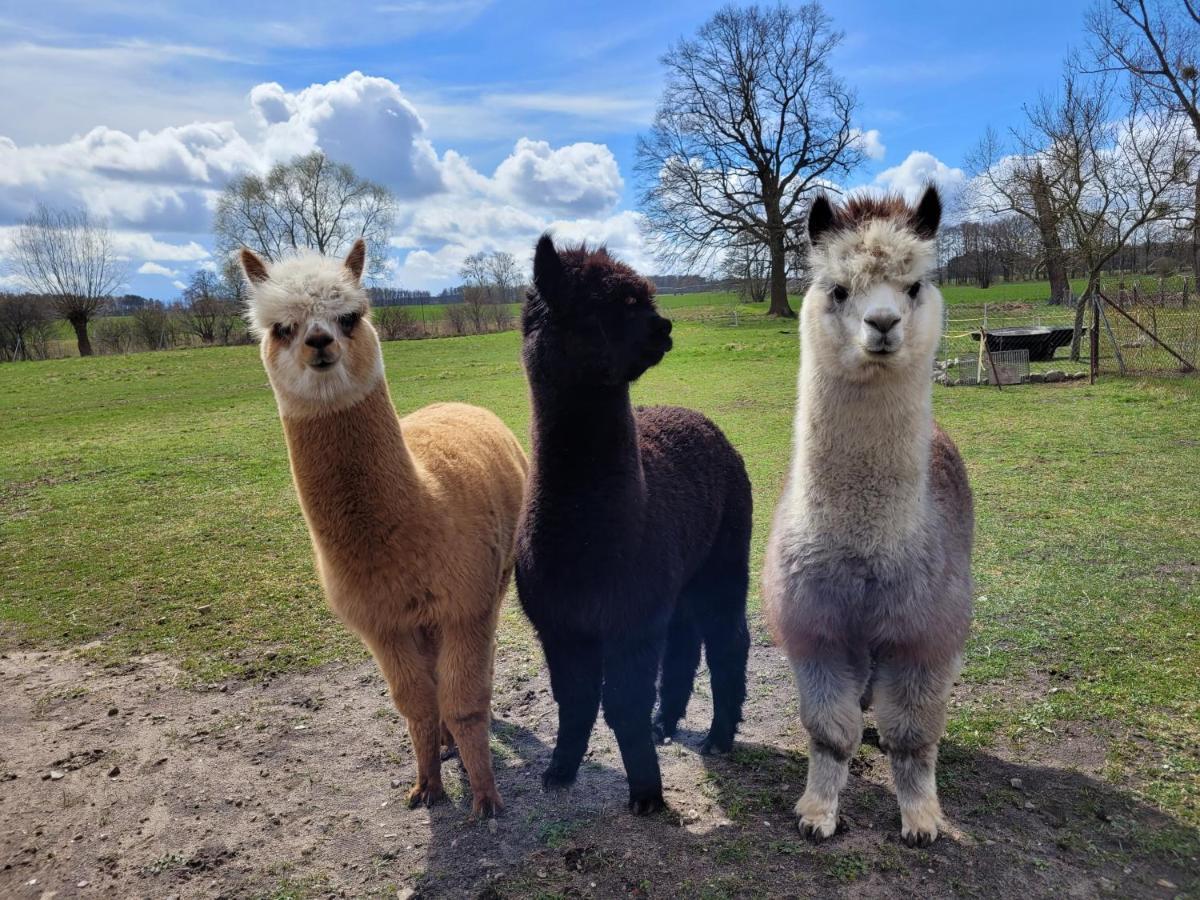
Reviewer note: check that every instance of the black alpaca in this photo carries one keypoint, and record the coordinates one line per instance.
(636, 530)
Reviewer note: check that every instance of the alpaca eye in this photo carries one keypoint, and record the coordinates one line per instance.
(283, 332)
(840, 293)
(913, 290)
(631, 301)
(348, 321)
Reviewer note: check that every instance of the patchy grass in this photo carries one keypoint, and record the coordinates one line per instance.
(146, 507)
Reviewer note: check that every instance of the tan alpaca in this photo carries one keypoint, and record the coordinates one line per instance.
(412, 520)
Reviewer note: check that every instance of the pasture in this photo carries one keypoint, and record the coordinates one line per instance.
(186, 717)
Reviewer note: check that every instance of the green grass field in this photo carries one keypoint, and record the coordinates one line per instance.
(146, 508)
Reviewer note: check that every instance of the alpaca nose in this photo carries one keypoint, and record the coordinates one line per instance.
(882, 320)
(664, 326)
(319, 340)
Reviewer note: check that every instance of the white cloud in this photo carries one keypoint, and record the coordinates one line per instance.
(918, 170)
(153, 183)
(870, 143)
(153, 268)
(178, 285)
(139, 245)
(581, 179)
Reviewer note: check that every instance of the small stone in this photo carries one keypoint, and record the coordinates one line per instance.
(81, 884)
(1165, 884)
(202, 609)
(114, 771)
(493, 826)
(1055, 375)
(1107, 885)
(405, 893)
(57, 774)
(1029, 804)
(112, 711)
(1016, 783)
(1036, 378)
(395, 782)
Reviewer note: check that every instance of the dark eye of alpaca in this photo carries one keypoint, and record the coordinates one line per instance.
(283, 332)
(839, 293)
(348, 321)
(913, 290)
(631, 301)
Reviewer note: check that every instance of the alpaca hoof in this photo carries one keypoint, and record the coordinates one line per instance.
(645, 803)
(716, 746)
(916, 839)
(426, 795)
(819, 830)
(663, 732)
(556, 779)
(921, 823)
(487, 805)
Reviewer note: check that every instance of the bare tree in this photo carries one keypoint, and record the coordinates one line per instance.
(752, 119)
(69, 257)
(505, 276)
(1113, 166)
(1158, 44)
(207, 312)
(748, 264)
(152, 323)
(1007, 180)
(25, 324)
(310, 202)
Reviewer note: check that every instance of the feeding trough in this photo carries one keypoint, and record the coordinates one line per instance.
(1040, 340)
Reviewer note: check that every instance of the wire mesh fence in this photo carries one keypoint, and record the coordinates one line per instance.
(1009, 342)
(1141, 330)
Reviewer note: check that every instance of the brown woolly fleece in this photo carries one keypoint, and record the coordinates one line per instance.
(412, 521)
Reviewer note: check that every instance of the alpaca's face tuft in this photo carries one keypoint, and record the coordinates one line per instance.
(591, 319)
(318, 346)
(872, 308)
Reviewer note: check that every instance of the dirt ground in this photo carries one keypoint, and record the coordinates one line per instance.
(123, 783)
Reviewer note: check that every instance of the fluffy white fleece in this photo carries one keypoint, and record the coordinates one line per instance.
(301, 288)
(880, 250)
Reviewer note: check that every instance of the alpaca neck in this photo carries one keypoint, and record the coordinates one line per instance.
(586, 436)
(861, 468)
(353, 471)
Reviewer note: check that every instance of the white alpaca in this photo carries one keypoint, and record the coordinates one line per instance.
(867, 579)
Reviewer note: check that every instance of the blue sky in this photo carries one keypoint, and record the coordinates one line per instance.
(493, 119)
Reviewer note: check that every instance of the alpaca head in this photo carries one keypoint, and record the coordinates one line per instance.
(310, 315)
(590, 319)
(871, 308)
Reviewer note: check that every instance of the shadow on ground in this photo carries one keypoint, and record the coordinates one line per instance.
(122, 783)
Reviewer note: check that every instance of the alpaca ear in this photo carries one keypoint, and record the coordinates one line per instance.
(547, 267)
(253, 266)
(928, 214)
(356, 259)
(820, 218)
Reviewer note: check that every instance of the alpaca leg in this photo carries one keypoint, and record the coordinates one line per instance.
(465, 699)
(910, 704)
(680, 660)
(726, 648)
(408, 665)
(830, 687)
(630, 667)
(576, 672)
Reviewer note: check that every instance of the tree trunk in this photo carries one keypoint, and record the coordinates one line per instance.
(779, 299)
(81, 336)
(1056, 271)
(1196, 235)
(1080, 308)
